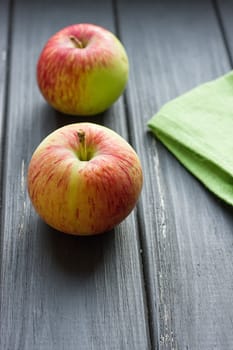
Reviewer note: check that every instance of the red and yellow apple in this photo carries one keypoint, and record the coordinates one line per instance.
(84, 179)
(82, 69)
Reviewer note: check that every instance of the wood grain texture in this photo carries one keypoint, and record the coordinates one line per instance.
(186, 233)
(58, 291)
(4, 55)
(5, 37)
(225, 13)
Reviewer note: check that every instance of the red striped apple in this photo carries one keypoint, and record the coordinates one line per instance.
(82, 69)
(84, 179)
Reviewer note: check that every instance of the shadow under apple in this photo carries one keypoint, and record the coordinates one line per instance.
(76, 256)
(51, 119)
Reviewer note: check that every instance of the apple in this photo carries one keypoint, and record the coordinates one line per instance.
(84, 179)
(82, 70)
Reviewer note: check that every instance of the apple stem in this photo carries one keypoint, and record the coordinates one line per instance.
(76, 42)
(82, 143)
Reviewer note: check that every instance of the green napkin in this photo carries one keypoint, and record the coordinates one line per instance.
(197, 128)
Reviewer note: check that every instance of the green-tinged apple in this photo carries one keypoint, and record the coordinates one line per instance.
(82, 70)
(84, 179)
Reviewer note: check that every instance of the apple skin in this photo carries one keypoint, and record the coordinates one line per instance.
(82, 80)
(84, 197)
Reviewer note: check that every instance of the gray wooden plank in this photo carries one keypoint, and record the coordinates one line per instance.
(4, 53)
(224, 10)
(186, 232)
(58, 291)
(4, 16)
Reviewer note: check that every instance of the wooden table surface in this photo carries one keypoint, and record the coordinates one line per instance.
(163, 279)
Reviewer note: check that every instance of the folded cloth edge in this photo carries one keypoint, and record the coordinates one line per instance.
(214, 177)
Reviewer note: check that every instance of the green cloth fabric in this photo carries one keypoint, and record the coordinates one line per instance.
(197, 128)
